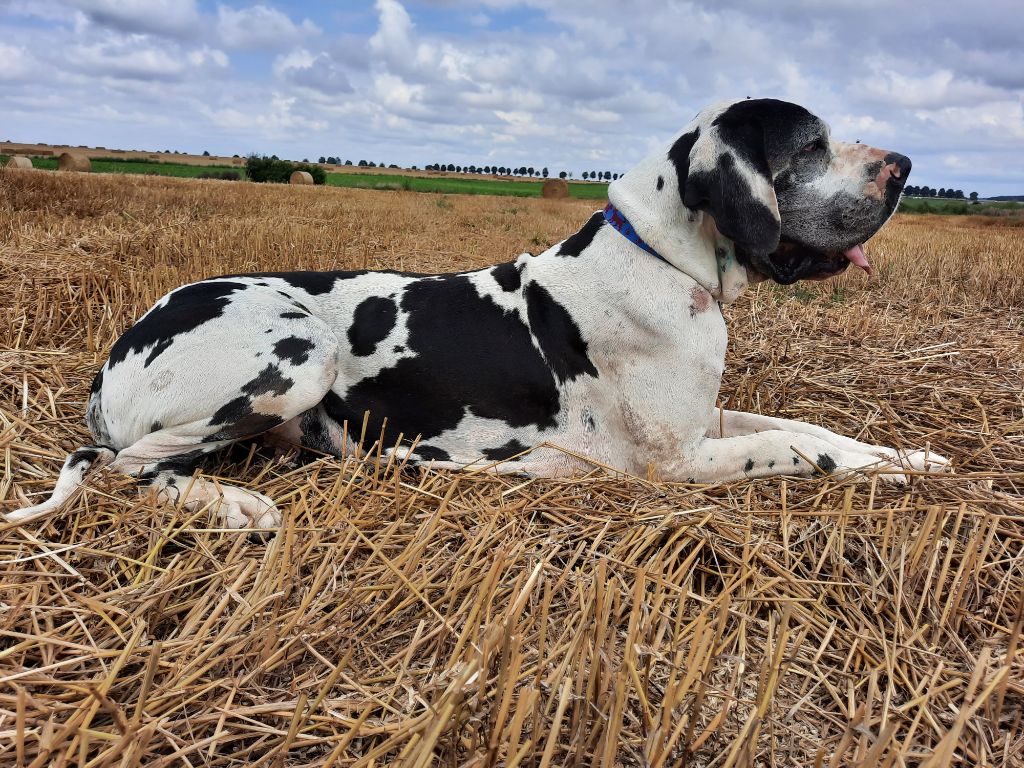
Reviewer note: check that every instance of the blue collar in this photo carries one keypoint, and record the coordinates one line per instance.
(621, 225)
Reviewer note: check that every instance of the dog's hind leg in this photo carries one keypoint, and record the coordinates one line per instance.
(76, 466)
(211, 391)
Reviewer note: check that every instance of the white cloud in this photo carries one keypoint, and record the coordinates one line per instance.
(16, 63)
(260, 27)
(165, 17)
(138, 61)
(318, 72)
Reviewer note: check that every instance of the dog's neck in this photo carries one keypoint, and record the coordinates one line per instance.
(648, 196)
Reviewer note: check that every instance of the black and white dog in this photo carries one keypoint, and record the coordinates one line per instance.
(609, 345)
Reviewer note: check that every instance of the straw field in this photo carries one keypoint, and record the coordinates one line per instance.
(425, 618)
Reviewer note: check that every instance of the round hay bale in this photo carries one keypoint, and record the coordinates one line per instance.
(18, 161)
(555, 188)
(73, 162)
(301, 177)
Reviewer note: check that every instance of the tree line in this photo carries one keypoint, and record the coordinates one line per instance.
(494, 170)
(949, 194)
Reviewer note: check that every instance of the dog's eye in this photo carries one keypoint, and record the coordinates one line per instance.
(814, 146)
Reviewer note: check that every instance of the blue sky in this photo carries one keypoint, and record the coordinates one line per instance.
(568, 84)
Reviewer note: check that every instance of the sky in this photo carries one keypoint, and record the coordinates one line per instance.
(573, 85)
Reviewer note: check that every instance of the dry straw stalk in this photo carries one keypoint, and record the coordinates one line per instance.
(425, 618)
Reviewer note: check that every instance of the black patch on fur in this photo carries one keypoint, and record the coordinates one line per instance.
(738, 214)
(82, 456)
(796, 460)
(268, 382)
(660, 184)
(156, 426)
(468, 355)
(238, 416)
(316, 435)
(432, 453)
(759, 129)
(398, 349)
(558, 335)
(371, 323)
(749, 465)
(576, 244)
(293, 349)
(293, 315)
(318, 283)
(183, 464)
(679, 156)
(503, 452)
(771, 464)
(826, 463)
(186, 309)
(97, 383)
(508, 276)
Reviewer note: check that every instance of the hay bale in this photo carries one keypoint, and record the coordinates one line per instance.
(301, 177)
(74, 162)
(555, 188)
(19, 161)
(237, 160)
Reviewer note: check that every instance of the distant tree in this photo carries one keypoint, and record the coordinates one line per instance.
(348, 162)
(586, 175)
(262, 168)
(458, 169)
(451, 166)
(562, 174)
(530, 171)
(322, 159)
(362, 164)
(206, 153)
(234, 155)
(910, 190)
(615, 175)
(942, 192)
(608, 175)
(959, 194)
(974, 196)
(544, 172)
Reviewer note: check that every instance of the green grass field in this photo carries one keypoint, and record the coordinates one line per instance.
(459, 186)
(142, 166)
(957, 207)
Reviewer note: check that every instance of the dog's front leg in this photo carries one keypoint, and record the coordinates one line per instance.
(725, 423)
(773, 452)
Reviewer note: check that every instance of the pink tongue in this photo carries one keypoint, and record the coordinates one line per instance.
(856, 257)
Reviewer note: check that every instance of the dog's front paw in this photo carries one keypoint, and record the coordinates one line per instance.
(863, 466)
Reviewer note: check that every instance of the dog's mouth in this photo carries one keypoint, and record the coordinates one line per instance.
(793, 261)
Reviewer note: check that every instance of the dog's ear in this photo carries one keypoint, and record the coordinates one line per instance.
(724, 170)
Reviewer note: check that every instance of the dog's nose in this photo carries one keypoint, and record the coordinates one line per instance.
(898, 167)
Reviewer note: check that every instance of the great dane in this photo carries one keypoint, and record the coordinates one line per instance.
(607, 347)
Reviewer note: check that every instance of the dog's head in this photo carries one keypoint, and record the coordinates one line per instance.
(795, 203)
